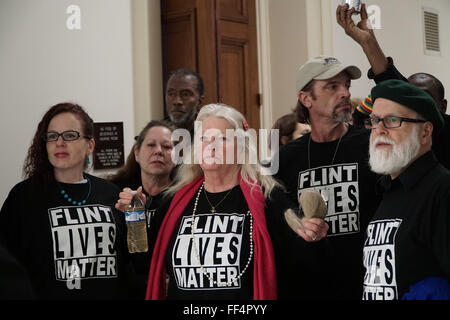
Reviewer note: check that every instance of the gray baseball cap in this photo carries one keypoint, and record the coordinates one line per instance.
(323, 68)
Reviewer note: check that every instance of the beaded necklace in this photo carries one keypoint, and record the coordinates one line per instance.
(219, 283)
(69, 198)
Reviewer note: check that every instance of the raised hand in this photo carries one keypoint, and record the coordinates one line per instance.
(361, 32)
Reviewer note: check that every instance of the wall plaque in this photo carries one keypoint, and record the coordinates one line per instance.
(109, 148)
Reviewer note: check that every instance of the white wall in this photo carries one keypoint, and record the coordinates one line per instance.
(43, 63)
(288, 51)
(147, 62)
(401, 37)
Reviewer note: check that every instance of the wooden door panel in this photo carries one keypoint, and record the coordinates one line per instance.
(177, 5)
(232, 75)
(179, 36)
(238, 57)
(234, 10)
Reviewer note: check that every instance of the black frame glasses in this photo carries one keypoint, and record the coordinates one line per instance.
(390, 122)
(69, 135)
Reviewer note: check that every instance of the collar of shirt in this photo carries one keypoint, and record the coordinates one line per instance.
(411, 176)
(153, 202)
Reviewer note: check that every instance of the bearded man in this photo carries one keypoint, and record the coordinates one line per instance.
(184, 98)
(407, 240)
(333, 160)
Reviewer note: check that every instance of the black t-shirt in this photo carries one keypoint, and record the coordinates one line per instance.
(408, 238)
(348, 186)
(289, 248)
(141, 260)
(68, 251)
(222, 240)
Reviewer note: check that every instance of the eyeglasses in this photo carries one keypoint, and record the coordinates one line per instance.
(70, 135)
(390, 122)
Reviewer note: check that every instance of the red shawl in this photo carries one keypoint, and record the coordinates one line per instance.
(264, 275)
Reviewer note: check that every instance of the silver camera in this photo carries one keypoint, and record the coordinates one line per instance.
(353, 4)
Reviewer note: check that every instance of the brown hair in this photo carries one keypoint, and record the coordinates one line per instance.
(130, 173)
(300, 110)
(287, 125)
(37, 165)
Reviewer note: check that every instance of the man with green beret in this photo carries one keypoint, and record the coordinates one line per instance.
(407, 240)
(383, 68)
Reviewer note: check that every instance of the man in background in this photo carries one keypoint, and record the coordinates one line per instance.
(184, 96)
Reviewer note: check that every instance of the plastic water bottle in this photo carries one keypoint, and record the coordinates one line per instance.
(136, 225)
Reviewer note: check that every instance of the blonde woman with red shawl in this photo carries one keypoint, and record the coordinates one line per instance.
(218, 236)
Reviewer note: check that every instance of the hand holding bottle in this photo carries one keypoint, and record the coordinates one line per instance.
(126, 196)
(132, 203)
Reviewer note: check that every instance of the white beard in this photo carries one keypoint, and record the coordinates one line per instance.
(400, 156)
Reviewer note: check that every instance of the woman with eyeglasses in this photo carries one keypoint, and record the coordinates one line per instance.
(60, 223)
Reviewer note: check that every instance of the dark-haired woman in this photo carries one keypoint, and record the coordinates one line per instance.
(289, 129)
(148, 169)
(60, 223)
(149, 163)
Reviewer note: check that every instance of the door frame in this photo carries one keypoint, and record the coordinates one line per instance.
(264, 65)
(147, 56)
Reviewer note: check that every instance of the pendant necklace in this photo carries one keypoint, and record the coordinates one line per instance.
(213, 208)
(309, 150)
(332, 162)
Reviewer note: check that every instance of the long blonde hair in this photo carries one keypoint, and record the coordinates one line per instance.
(251, 173)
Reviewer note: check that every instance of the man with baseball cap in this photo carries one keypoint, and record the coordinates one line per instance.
(332, 159)
(321, 68)
(406, 246)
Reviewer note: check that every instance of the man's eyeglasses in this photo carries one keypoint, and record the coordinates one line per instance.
(70, 135)
(390, 122)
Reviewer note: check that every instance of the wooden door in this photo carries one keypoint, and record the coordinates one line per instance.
(238, 57)
(188, 40)
(216, 38)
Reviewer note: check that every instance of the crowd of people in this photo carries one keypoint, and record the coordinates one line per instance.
(215, 223)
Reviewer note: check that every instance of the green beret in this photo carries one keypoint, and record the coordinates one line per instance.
(411, 97)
